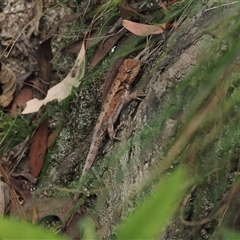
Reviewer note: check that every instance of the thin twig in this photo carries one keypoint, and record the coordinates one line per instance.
(223, 5)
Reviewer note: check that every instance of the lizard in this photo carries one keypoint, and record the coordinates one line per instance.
(117, 96)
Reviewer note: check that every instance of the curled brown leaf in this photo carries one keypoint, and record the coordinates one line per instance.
(143, 29)
(7, 85)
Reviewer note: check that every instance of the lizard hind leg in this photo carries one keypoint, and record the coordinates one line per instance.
(112, 120)
(111, 131)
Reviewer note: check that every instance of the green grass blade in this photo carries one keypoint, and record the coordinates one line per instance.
(153, 215)
(229, 234)
(13, 229)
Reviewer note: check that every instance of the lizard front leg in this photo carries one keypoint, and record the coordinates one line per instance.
(118, 108)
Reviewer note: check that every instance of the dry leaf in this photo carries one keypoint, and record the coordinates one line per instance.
(44, 56)
(37, 10)
(64, 88)
(15, 207)
(16, 185)
(7, 85)
(34, 88)
(23, 95)
(19, 103)
(143, 29)
(38, 149)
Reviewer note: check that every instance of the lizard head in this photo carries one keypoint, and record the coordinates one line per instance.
(130, 69)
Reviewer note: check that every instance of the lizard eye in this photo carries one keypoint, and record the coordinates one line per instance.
(128, 71)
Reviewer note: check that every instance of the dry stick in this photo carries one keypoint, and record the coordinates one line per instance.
(223, 5)
(33, 86)
(89, 1)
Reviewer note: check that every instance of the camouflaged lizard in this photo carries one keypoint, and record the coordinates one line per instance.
(117, 96)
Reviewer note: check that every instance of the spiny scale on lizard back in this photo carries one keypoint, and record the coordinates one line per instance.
(126, 74)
